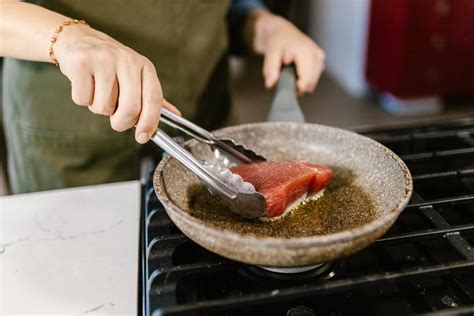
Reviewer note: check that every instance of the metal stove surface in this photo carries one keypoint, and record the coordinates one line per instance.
(424, 264)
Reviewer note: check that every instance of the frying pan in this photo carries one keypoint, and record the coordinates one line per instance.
(371, 186)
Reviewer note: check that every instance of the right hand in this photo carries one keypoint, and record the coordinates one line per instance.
(111, 79)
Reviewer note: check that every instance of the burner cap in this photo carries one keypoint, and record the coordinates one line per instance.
(323, 271)
(292, 270)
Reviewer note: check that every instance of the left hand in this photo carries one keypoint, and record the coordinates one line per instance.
(282, 43)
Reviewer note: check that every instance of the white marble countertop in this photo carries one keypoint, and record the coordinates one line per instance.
(71, 251)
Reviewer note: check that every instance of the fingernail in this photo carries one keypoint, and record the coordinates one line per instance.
(142, 138)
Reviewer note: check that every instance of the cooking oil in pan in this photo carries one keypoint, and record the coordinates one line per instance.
(344, 206)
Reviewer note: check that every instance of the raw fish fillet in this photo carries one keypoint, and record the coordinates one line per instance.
(285, 182)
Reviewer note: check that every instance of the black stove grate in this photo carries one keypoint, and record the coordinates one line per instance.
(424, 264)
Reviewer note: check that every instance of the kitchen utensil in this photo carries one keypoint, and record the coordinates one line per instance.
(233, 152)
(239, 195)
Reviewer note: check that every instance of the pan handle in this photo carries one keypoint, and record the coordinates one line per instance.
(285, 106)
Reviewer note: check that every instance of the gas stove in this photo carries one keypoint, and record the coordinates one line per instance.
(423, 264)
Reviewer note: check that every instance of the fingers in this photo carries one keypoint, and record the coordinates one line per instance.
(121, 84)
(171, 107)
(308, 70)
(105, 92)
(306, 75)
(309, 66)
(82, 88)
(288, 57)
(112, 79)
(129, 100)
(271, 67)
(152, 100)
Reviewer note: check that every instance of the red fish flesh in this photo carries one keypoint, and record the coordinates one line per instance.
(285, 182)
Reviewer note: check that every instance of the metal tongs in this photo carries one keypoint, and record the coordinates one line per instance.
(241, 196)
(227, 149)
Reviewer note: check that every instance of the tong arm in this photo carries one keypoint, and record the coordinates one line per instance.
(189, 161)
(188, 127)
(204, 136)
(249, 204)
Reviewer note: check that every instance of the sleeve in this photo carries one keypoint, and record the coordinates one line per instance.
(238, 13)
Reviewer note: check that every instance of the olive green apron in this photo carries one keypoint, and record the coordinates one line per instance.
(53, 143)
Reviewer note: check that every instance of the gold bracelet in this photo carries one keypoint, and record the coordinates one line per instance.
(54, 38)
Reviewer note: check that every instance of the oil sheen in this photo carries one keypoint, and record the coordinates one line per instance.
(344, 206)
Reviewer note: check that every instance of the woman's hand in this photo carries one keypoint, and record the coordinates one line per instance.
(282, 43)
(111, 79)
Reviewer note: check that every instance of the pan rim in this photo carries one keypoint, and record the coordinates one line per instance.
(294, 242)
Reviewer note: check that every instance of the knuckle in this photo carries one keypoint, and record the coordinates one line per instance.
(105, 55)
(125, 118)
(101, 110)
(148, 127)
(117, 124)
(304, 88)
(129, 107)
(79, 96)
(154, 97)
(274, 48)
(301, 86)
(79, 99)
(94, 109)
(148, 66)
(133, 111)
(128, 57)
(81, 58)
(107, 111)
(147, 63)
(150, 122)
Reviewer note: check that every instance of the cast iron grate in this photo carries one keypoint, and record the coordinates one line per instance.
(424, 264)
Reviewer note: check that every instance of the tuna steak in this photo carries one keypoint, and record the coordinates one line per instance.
(284, 182)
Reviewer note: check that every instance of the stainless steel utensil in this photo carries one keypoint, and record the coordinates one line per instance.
(239, 195)
(234, 152)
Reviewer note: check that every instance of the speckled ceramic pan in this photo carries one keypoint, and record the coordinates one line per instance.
(371, 186)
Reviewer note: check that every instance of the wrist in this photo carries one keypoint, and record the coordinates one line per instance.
(65, 34)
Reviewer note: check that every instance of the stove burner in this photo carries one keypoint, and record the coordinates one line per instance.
(322, 271)
(292, 270)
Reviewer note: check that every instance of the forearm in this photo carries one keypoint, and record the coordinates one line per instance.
(26, 30)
